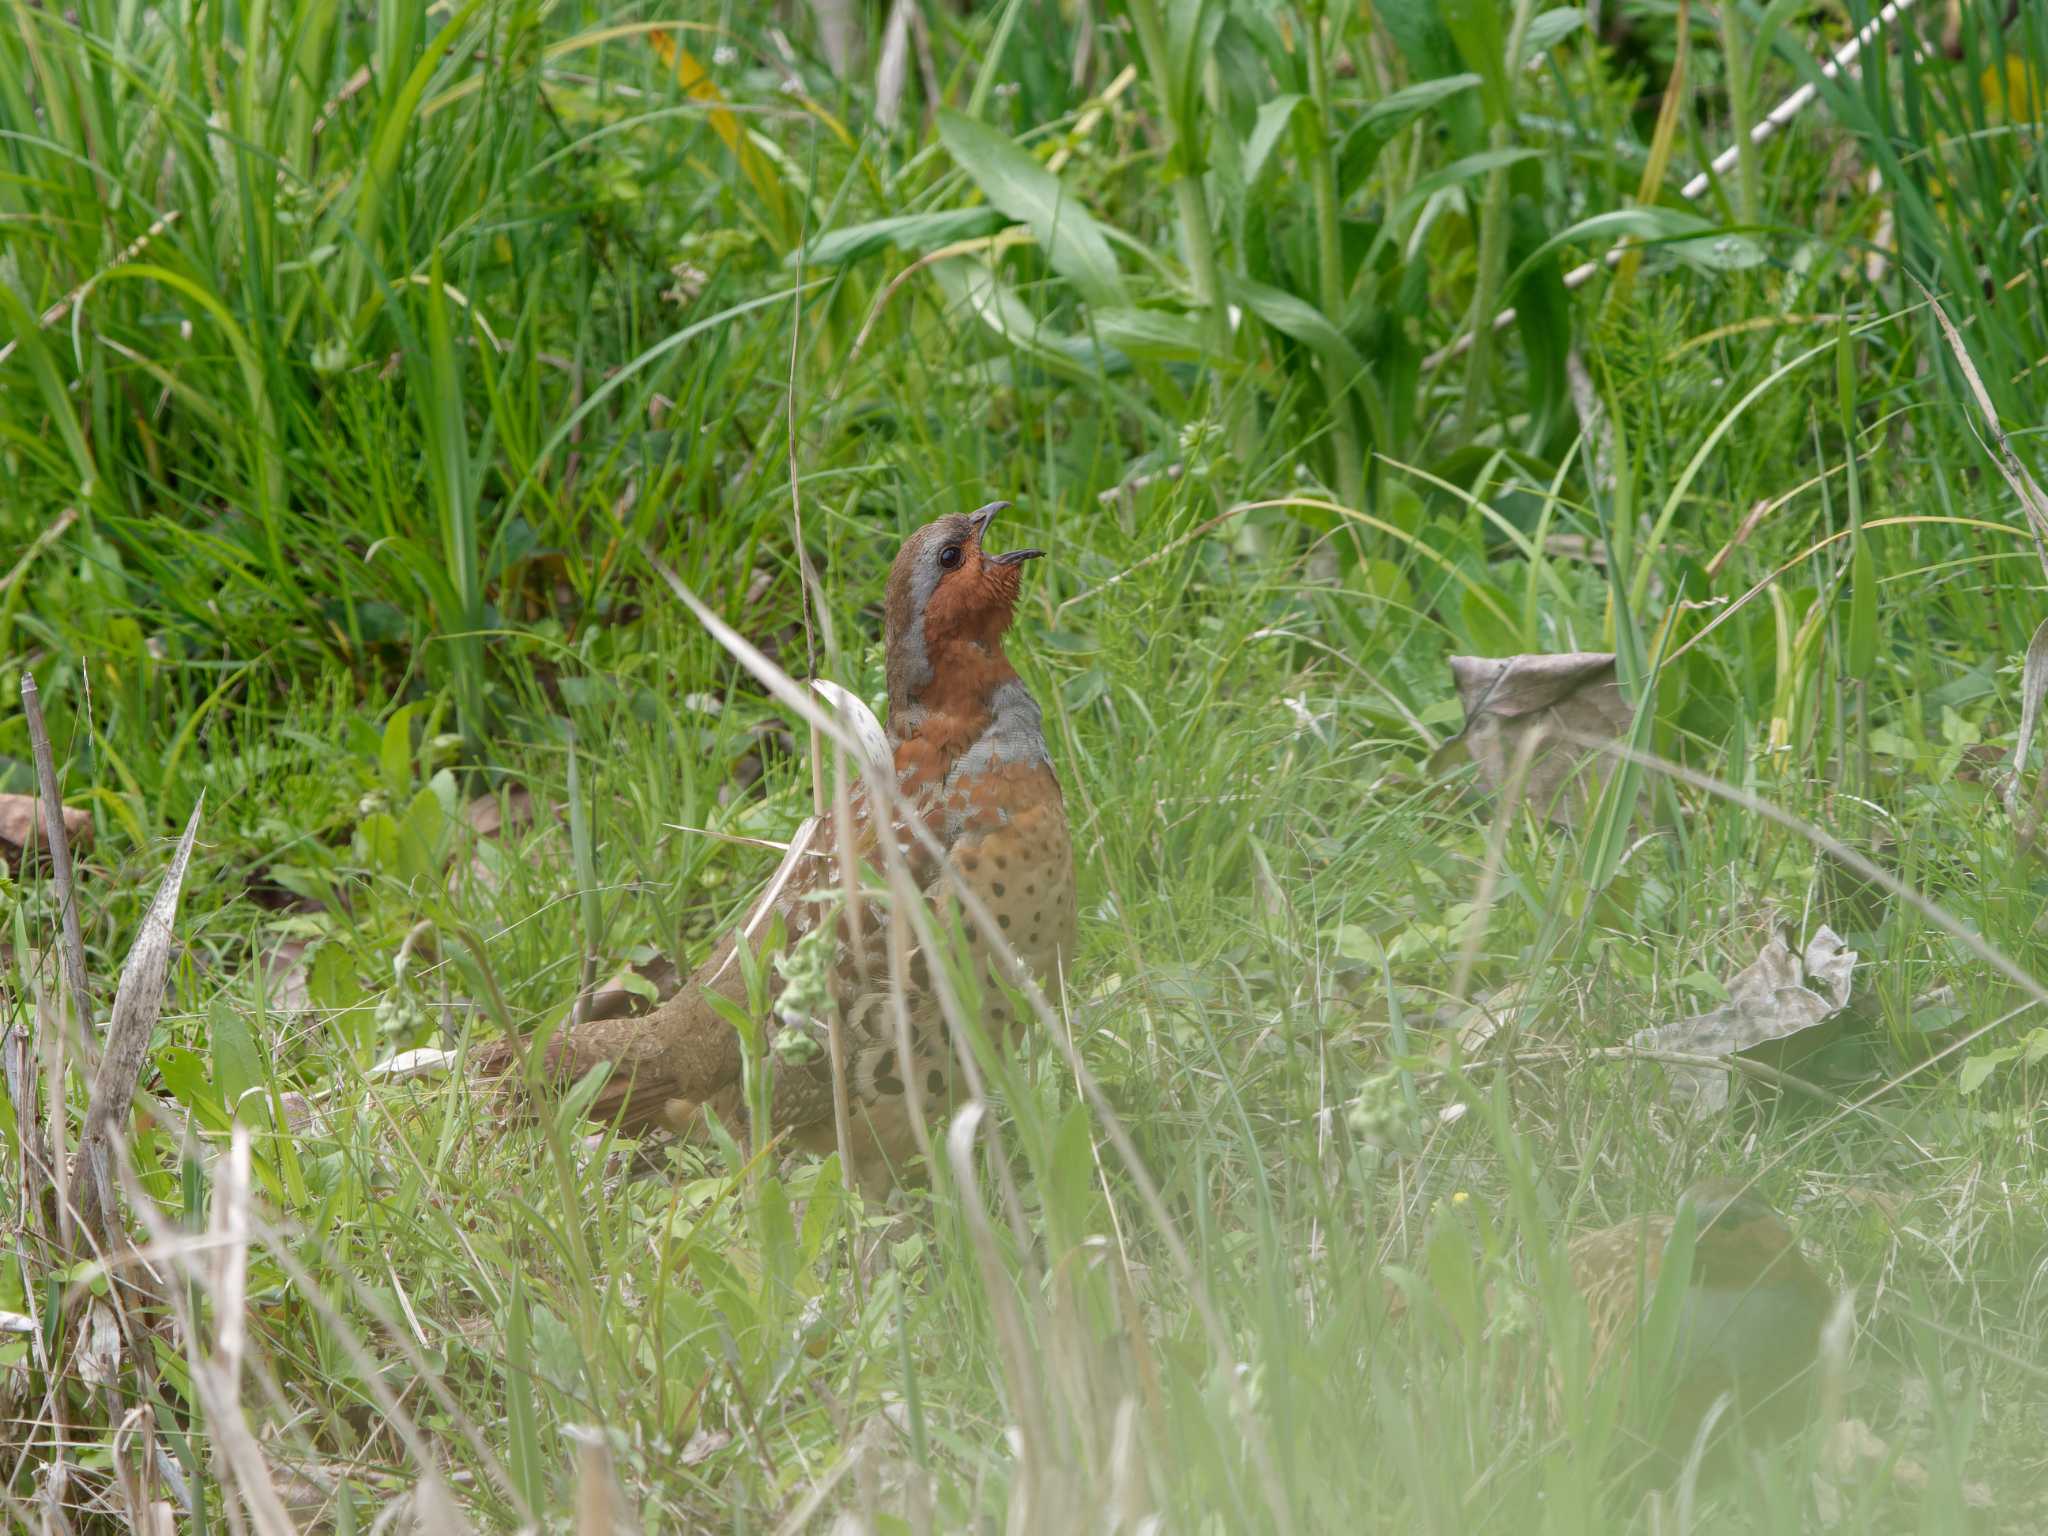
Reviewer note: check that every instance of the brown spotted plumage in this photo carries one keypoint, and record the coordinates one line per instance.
(1749, 1320)
(971, 763)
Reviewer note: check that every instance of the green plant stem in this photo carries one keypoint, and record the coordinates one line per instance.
(1190, 201)
(1748, 175)
(1493, 234)
(1330, 259)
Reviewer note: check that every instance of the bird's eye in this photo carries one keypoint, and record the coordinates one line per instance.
(949, 557)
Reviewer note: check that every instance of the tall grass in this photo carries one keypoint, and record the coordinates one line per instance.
(353, 355)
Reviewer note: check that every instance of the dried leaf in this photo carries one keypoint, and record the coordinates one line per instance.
(1775, 996)
(1483, 1018)
(839, 35)
(703, 1445)
(138, 1002)
(19, 830)
(598, 1503)
(855, 715)
(1536, 705)
(508, 810)
(99, 1348)
(2033, 688)
(425, 1061)
(892, 69)
(285, 991)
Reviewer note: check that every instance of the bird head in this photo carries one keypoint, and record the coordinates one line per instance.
(1739, 1238)
(949, 602)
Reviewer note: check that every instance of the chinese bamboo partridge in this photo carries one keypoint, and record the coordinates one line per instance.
(971, 765)
(1750, 1318)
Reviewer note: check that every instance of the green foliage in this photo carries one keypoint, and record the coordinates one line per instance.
(352, 355)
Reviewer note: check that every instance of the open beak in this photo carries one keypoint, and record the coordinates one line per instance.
(980, 521)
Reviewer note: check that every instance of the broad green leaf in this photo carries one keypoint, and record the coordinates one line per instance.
(184, 1074)
(1274, 119)
(822, 1208)
(378, 835)
(528, 1466)
(911, 232)
(973, 285)
(1397, 109)
(1013, 180)
(237, 1061)
(1191, 28)
(1417, 28)
(1158, 335)
(421, 835)
(394, 758)
(1385, 118)
(777, 1229)
(1468, 168)
(1691, 239)
(1476, 32)
(1301, 320)
(1548, 30)
(1978, 1069)
(1454, 1275)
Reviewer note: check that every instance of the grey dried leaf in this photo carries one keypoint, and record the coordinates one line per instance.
(1544, 707)
(839, 35)
(703, 1445)
(426, 1510)
(1776, 995)
(2033, 689)
(1479, 1021)
(285, 972)
(892, 69)
(138, 1002)
(99, 1347)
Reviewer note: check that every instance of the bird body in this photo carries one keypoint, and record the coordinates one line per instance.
(972, 771)
(1750, 1315)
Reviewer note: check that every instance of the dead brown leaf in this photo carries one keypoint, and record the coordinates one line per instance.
(1537, 709)
(20, 831)
(1775, 996)
(285, 992)
(508, 810)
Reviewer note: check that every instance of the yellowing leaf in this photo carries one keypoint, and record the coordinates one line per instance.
(2014, 91)
(698, 85)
